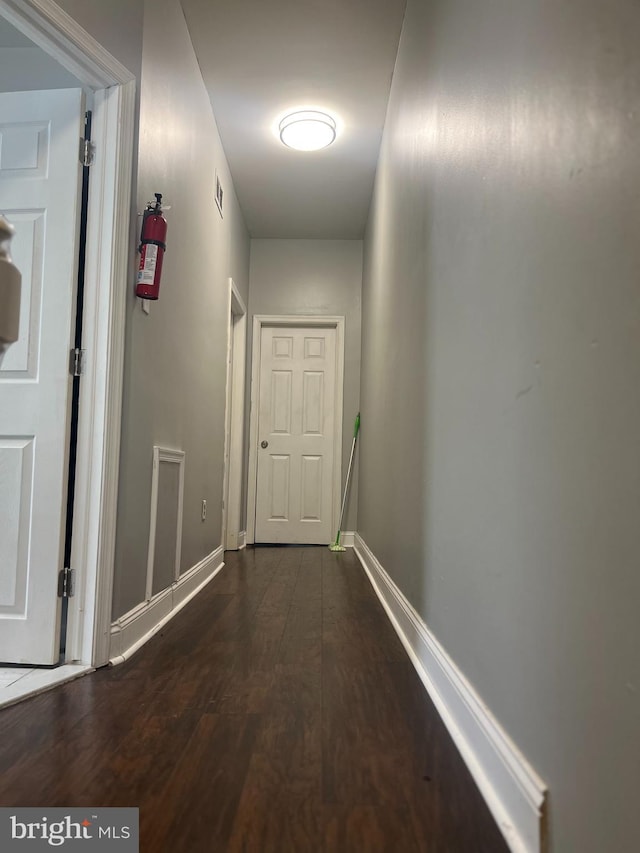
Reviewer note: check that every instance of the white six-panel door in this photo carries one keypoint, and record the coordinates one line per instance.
(39, 186)
(296, 420)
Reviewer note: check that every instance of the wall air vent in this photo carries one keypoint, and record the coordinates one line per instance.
(219, 194)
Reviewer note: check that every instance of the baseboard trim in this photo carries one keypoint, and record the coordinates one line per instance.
(512, 790)
(242, 540)
(348, 538)
(131, 631)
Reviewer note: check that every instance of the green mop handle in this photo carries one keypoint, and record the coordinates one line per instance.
(356, 429)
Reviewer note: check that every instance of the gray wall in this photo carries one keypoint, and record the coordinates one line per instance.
(115, 24)
(164, 554)
(174, 393)
(500, 456)
(26, 69)
(315, 277)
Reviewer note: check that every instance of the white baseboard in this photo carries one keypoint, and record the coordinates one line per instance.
(511, 788)
(348, 538)
(242, 540)
(131, 631)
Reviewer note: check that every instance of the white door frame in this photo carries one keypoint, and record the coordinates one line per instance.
(107, 275)
(303, 322)
(234, 421)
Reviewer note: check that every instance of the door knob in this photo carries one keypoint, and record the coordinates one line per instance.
(264, 444)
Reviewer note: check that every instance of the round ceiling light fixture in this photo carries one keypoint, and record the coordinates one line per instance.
(307, 130)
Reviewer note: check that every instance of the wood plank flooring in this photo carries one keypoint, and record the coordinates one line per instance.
(277, 712)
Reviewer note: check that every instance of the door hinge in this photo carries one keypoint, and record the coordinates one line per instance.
(87, 152)
(66, 583)
(76, 362)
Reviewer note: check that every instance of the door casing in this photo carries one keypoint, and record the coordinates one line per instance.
(107, 274)
(302, 322)
(234, 421)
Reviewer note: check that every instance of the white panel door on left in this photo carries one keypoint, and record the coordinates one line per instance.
(39, 194)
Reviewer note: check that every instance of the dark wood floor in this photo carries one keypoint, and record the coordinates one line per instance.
(277, 712)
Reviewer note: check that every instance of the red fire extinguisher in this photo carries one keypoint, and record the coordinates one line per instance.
(152, 248)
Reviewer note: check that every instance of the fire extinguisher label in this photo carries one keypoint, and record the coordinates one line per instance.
(148, 261)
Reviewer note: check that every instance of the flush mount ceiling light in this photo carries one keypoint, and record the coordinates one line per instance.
(307, 130)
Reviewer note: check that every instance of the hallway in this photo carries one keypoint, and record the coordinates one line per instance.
(277, 712)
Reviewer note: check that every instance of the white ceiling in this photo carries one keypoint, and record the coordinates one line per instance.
(259, 59)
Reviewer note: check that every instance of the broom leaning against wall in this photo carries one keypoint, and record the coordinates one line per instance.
(336, 546)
